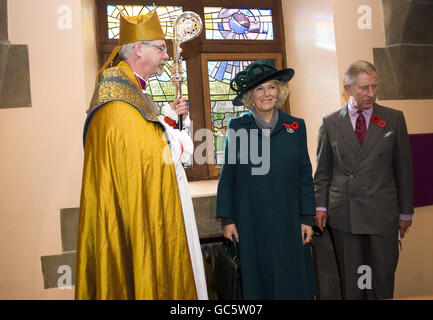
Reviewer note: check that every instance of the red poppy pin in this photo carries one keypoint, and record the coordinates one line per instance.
(291, 127)
(380, 123)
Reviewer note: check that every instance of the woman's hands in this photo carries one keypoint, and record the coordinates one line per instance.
(230, 230)
(306, 231)
(307, 234)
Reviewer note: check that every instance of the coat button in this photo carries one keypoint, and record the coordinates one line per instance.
(351, 176)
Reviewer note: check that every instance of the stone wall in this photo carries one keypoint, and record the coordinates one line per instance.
(405, 65)
(14, 68)
(56, 267)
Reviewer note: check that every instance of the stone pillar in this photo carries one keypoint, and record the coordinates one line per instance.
(405, 65)
(14, 68)
(4, 20)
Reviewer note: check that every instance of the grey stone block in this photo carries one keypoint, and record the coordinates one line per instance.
(406, 64)
(388, 79)
(69, 228)
(14, 76)
(3, 20)
(59, 270)
(406, 72)
(408, 21)
(204, 207)
(395, 23)
(205, 213)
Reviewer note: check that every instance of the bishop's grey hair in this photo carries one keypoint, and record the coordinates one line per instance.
(126, 51)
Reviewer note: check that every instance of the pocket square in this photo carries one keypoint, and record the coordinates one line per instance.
(389, 133)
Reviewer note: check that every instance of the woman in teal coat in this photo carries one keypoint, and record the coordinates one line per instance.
(265, 192)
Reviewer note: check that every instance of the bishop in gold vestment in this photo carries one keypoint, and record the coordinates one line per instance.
(131, 237)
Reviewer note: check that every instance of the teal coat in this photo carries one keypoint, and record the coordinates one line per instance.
(267, 208)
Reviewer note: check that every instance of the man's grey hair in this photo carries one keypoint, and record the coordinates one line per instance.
(126, 50)
(283, 92)
(356, 68)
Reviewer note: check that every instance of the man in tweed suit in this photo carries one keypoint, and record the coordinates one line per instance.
(364, 187)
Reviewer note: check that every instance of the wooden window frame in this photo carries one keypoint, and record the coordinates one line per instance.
(196, 53)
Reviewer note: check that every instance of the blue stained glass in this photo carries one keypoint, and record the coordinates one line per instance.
(246, 12)
(221, 96)
(265, 29)
(212, 64)
(238, 23)
(220, 26)
(221, 70)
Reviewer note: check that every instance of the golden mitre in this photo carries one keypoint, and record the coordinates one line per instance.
(144, 27)
(141, 27)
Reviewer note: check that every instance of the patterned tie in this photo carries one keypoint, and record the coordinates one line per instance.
(361, 127)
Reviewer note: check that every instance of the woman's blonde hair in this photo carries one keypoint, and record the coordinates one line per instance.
(283, 92)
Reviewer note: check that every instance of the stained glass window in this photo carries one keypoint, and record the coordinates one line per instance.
(238, 24)
(162, 89)
(166, 14)
(221, 97)
(233, 36)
